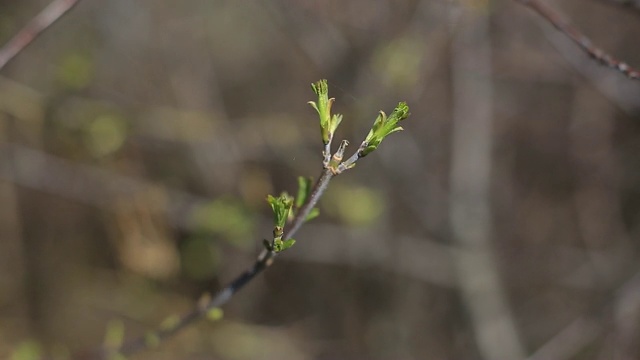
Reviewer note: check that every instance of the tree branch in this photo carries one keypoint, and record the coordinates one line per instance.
(580, 39)
(283, 232)
(263, 261)
(35, 27)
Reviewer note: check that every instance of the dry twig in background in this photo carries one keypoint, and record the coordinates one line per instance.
(35, 27)
(579, 38)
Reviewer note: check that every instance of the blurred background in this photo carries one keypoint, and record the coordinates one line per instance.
(139, 139)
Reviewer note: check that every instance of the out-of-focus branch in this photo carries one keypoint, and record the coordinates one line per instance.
(481, 288)
(35, 27)
(570, 340)
(617, 89)
(553, 17)
(624, 300)
(631, 4)
(86, 184)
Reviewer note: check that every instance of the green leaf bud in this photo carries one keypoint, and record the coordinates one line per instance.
(328, 123)
(383, 126)
(281, 206)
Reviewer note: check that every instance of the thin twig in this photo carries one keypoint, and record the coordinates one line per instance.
(35, 27)
(326, 153)
(316, 193)
(350, 162)
(263, 261)
(579, 38)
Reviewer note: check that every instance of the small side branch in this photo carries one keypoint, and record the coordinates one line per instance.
(153, 339)
(579, 38)
(35, 27)
(264, 260)
(316, 193)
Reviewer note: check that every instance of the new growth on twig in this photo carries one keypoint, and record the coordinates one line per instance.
(382, 127)
(332, 164)
(289, 214)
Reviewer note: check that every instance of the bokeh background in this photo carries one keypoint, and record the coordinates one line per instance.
(138, 140)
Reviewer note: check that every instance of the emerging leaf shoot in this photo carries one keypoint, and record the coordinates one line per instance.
(314, 213)
(304, 190)
(328, 123)
(281, 206)
(383, 126)
(281, 209)
(283, 245)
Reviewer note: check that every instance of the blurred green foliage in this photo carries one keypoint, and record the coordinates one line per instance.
(355, 205)
(114, 334)
(226, 218)
(200, 258)
(399, 61)
(170, 322)
(237, 341)
(215, 314)
(105, 134)
(27, 350)
(75, 71)
(152, 340)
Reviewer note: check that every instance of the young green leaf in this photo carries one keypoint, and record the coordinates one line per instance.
(314, 213)
(304, 190)
(279, 245)
(328, 123)
(336, 119)
(383, 126)
(281, 206)
(287, 244)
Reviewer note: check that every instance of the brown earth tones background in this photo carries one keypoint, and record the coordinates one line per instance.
(139, 139)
